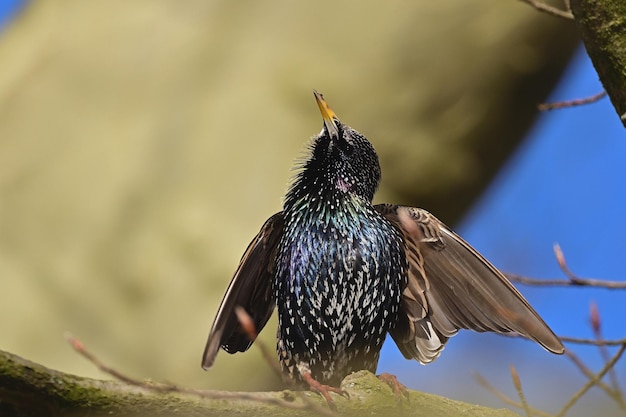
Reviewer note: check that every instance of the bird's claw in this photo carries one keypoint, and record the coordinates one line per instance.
(400, 390)
(324, 390)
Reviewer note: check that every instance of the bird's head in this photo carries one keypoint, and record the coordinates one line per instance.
(342, 161)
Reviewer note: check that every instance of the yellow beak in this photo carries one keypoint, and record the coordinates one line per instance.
(328, 115)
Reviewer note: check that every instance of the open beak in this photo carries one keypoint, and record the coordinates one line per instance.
(328, 115)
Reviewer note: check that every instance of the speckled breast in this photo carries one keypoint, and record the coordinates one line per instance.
(338, 287)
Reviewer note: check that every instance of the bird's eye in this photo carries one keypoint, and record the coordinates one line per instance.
(347, 148)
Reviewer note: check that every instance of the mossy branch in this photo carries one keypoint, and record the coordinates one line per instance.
(602, 26)
(29, 389)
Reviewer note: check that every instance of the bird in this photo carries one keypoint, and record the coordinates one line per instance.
(344, 273)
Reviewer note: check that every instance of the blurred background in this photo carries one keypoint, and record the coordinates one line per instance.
(143, 144)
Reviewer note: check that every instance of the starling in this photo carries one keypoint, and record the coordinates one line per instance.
(344, 273)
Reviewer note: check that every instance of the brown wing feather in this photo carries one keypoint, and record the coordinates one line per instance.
(250, 288)
(454, 287)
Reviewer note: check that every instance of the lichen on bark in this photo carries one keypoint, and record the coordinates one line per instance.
(602, 25)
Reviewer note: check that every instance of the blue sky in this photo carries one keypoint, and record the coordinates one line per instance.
(7, 9)
(565, 184)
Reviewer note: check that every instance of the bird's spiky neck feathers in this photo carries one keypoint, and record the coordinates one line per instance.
(342, 168)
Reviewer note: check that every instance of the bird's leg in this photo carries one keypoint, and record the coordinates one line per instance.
(401, 392)
(316, 386)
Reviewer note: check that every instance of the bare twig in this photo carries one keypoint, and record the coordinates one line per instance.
(593, 342)
(567, 5)
(578, 282)
(78, 346)
(592, 381)
(577, 340)
(571, 103)
(520, 392)
(546, 8)
(560, 258)
(506, 399)
(616, 396)
(585, 370)
(596, 326)
(248, 326)
(572, 281)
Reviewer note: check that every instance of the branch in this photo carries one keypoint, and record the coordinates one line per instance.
(304, 404)
(571, 103)
(615, 395)
(520, 392)
(572, 281)
(27, 388)
(592, 342)
(602, 25)
(505, 398)
(596, 326)
(592, 381)
(546, 8)
(578, 282)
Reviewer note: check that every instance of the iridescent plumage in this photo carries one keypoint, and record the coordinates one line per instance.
(344, 273)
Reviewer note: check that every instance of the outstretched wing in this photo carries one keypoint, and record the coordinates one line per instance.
(250, 288)
(450, 287)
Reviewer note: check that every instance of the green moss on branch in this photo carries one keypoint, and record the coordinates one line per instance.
(29, 389)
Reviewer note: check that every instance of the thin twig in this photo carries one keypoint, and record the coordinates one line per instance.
(592, 381)
(506, 399)
(593, 342)
(616, 396)
(571, 103)
(572, 281)
(78, 346)
(517, 383)
(248, 326)
(560, 258)
(585, 370)
(578, 282)
(567, 5)
(576, 340)
(596, 326)
(542, 7)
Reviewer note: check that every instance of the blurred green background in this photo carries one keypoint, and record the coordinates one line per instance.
(143, 144)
